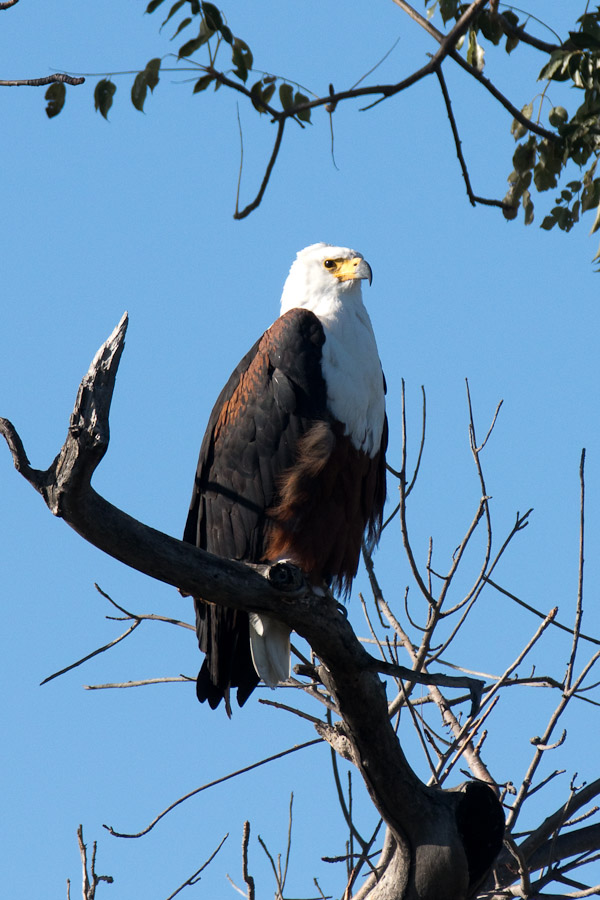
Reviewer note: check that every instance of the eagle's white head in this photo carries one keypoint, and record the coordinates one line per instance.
(322, 277)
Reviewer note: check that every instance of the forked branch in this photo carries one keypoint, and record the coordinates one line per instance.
(430, 855)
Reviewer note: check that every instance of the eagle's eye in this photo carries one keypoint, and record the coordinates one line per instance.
(329, 263)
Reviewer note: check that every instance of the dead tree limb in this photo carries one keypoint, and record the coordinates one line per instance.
(444, 841)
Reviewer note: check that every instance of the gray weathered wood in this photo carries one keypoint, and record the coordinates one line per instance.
(425, 857)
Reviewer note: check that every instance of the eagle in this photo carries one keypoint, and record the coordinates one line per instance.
(292, 464)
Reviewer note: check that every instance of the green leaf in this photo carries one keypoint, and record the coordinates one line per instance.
(475, 52)
(144, 80)
(286, 95)
(212, 16)
(226, 34)
(173, 10)
(511, 211)
(511, 39)
(138, 91)
(183, 24)
(304, 114)
(241, 56)
(556, 69)
(583, 41)
(511, 17)
(190, 47)
(154, 4)
(548, 223)
(56, 96)
(203, 83)
(151, 72)
(558, 116)
(237, 58)
(103, 96)
(256, 96)
(490, 27)
(449, 9)
(206, 32)
(591, 195)
(268, 91)
(517, 129)
(528, 207)
(524, 156)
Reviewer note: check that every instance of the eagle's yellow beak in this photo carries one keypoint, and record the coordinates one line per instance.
(350, 269)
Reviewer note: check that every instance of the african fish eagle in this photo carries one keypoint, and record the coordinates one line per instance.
(292, 465)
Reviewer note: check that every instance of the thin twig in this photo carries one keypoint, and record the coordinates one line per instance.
(421, 445)
(453, 54)
(536, 612)
(193, 879)
(579, 609)
(94, 653)
(474, 200)
(210, 784)
(292, 709)
(129, 684)
(241, 214)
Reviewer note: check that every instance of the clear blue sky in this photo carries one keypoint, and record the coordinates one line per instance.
(136, 214)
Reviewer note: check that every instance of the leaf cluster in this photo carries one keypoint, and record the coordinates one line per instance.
(493, 27)
(575, 62)
(543, 152)
(210, 24)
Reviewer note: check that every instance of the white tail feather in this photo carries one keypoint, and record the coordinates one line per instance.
(270, 646)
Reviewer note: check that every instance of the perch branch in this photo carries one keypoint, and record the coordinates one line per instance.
(420, 817)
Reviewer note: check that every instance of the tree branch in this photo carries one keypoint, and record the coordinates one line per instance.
(47, 79)
(474, 200)
(421, 818)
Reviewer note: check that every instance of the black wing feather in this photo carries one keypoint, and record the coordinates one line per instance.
(270, 400)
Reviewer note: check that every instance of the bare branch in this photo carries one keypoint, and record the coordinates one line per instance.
(193, 879)
(127, 684)
(349, 674)
(421, 445)
(474, 200)
(292, 709)
(536, 612)
(241, 214)
(210, 784)
(246, 876)
(579, 609)
(522, 35)
(90, 879)
(504, 101)
(92, 654)
(47, 79)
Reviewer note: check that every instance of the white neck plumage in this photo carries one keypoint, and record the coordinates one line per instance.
(350, 361)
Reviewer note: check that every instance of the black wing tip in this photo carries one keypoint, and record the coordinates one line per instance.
(208, 692)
